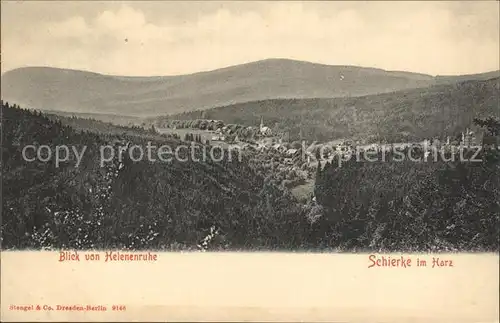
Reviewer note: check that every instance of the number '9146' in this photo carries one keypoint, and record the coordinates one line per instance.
(119, 308)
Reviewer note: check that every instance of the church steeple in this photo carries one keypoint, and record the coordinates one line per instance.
(261, 123)
(301, 134)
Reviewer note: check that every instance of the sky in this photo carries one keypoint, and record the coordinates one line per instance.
(145, 38)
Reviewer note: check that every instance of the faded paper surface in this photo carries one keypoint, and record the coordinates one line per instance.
(253, 286)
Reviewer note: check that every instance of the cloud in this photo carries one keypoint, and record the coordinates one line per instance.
(72, 27)
(428, 38)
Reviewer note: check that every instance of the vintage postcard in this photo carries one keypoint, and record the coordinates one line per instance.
(228, 161)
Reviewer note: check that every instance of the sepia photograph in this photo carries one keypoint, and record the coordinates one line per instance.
(130, 129)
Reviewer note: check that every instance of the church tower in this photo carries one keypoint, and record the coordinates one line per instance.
(301, 134)
(261, 123)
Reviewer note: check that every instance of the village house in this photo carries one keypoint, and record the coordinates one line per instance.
(291, 151)
(468, 138)
(264, 131)
(279, 147)
(490, 141)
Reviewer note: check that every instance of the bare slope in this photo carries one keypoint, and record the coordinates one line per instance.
(79, 91)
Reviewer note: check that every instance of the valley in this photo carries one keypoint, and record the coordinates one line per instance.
(296, 185)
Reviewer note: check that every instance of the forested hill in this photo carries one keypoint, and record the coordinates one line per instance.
(379, 206)
(131, 205)
(409, 115)
(425, 206)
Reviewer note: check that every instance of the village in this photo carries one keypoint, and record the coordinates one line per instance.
(293, 164)
(267, 141)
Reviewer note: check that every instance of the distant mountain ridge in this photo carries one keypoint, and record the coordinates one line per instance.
(87, 92)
